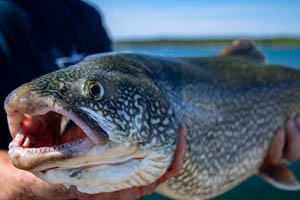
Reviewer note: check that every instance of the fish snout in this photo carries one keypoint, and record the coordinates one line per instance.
(25, 99)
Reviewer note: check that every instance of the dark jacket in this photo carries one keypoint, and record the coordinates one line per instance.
(38, 37)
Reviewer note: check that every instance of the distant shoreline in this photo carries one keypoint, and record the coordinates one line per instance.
(174, 42)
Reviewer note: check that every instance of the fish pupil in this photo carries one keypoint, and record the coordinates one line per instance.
(95, 90)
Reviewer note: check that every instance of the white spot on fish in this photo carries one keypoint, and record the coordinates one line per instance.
(126, 103)
(109, 118)
(155, 121)
(162, 138)
(170, 132)
(131, 111)
(170, 111)
(146, 124)
(161, 128)
(157, 104)
(166, 121)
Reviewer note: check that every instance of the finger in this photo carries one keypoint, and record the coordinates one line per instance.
(292, 148)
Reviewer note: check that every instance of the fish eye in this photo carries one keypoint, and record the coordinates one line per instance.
(95, 90)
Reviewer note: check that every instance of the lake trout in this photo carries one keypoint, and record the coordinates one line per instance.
(111, 122)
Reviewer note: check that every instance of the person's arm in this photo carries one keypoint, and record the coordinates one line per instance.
(19, 184)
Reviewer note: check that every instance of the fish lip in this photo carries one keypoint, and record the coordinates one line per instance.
(33, 159)
(96, 164)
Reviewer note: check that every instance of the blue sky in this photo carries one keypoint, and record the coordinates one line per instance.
(193, 18)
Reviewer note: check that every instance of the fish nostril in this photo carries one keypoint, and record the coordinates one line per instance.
(16, 99)
(24, 99)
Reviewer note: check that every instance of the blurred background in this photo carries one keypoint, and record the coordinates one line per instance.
(195, 27)
(201, 28)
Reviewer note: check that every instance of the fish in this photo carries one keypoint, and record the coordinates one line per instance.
(111, 122)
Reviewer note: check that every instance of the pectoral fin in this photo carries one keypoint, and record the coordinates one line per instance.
(279, 176)
(284, 148)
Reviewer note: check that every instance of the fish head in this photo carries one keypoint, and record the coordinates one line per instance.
(102, 125)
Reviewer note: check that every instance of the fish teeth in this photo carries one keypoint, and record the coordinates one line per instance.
(19, 138)
(26, 143)
(17, 141)
(63, 124)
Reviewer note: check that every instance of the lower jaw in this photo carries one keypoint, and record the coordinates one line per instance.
(93, 179)
(103, 178)
(31, 158)
(89, 178)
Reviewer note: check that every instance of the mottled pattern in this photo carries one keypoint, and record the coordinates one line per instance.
(231, 109)
(132, 107)
(126, 115)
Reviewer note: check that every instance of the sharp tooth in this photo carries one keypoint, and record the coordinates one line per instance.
(17, 141)
(26, 142)
(63, 124)
(19, 138)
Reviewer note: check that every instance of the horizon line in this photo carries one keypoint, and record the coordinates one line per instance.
(208, 37)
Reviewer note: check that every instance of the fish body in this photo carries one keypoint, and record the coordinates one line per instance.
(231, 106)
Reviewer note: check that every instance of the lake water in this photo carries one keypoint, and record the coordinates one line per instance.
(286, 56)
(253, 188)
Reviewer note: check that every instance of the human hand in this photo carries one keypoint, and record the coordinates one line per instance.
(19, 184)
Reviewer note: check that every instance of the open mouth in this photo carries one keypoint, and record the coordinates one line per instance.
(51, 134)
(42, 131)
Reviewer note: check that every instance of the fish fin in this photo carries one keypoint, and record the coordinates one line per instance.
(284, 148)
(243, 49)
(279, 176)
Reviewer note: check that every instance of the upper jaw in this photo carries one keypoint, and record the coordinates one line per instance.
(15, 116)
(26, 100)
